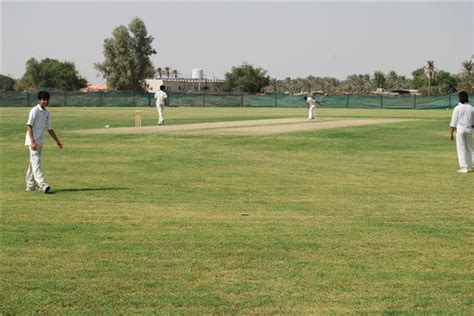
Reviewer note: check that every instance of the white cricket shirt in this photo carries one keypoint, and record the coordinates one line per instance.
(463, 117)
(39, 118)
(160, 97)
(311, 101)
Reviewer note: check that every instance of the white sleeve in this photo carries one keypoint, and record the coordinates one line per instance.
(165, 96)
(32, 117)
(454, 118)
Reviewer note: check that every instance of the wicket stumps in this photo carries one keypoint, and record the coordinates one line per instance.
(138, 118)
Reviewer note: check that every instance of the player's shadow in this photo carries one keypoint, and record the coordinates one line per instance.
(85, 189)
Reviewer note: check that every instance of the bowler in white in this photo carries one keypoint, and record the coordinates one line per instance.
(311, 106)
(38, 120)
(461, 123)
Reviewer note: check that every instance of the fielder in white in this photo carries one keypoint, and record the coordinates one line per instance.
(161, 101)
(38, 120)
(311, 106)
(461, 122)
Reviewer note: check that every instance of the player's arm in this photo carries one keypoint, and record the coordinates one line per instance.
(453, 124)
(451, 133)
(53, 135)
(33, 145)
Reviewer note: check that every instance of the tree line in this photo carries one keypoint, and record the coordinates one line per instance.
(428, 80)
(127, 62)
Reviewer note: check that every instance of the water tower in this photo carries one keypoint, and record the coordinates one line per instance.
(197, 74)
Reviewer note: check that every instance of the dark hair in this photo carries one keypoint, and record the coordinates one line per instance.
(162, 87)
(305, 98)
(43, 95)
(463, 97)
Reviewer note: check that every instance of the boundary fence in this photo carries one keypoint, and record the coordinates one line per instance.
(127, 99)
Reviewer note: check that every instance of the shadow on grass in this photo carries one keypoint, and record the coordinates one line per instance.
(85, 189)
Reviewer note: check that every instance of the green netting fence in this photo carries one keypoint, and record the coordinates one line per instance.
(127, 99)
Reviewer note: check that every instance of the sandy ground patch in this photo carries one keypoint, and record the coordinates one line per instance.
(312, 125)
(268, 126)
(195, 126)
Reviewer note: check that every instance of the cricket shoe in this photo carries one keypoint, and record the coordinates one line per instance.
(45, 188)
(463, 170)
(30, 189)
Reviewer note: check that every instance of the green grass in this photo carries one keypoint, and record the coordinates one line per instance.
(369, 219)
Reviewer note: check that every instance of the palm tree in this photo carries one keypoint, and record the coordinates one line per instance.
(467, 76)
(274, 84)
(175, 74)
(379, 80)
(160, 72)
(288, 84)
(308, 83)
(392, 80)
(430, 74)
(167, 70)
(467, 66)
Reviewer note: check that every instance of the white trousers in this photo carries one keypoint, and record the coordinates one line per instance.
(310, 112)
(34, 175)
(464, 148)
(161, 116)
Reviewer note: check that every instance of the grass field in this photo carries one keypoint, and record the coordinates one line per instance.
(367, 219)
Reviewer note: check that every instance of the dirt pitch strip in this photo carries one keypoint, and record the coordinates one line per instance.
(250, 127)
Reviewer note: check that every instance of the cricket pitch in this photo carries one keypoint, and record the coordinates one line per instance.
(250, 127)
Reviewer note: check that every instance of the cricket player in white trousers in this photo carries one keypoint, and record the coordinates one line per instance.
(461, 122)
(38, 119)
(311, 106)
(161, 101)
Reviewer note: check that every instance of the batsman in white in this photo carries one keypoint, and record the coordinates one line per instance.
(161, 101)
(38, 119)
(461, 122)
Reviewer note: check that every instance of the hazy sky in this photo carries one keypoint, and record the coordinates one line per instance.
(286, 39)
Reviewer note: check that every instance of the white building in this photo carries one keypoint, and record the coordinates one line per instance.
(153, 85)
(198, 82)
